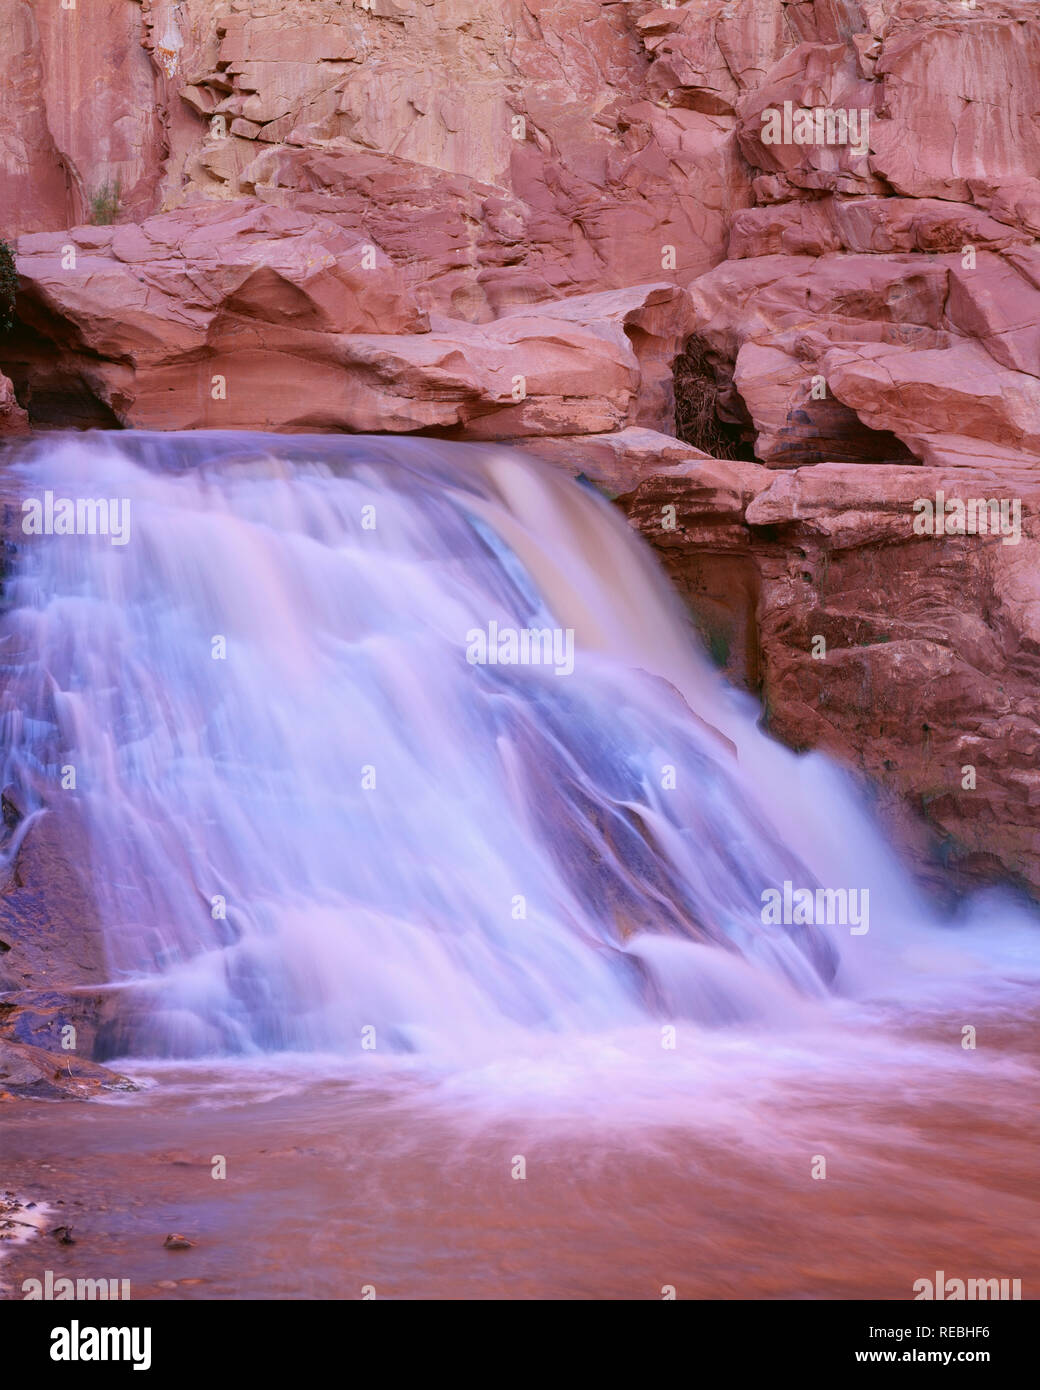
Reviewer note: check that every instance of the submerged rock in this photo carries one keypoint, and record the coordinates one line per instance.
(178, 1242)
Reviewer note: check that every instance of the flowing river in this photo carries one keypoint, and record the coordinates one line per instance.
(446, 894)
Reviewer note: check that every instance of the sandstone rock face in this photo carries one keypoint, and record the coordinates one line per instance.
(911, 655)
(78, 112)
(979, 121)
(13, 419)
(54, 995)
(620, 461)
(543, 221)
(879, 357)
(505, 150)
(239, 315)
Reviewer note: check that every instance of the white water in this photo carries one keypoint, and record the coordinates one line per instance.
(393, 907)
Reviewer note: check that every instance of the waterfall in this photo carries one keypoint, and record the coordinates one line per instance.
(402, 740)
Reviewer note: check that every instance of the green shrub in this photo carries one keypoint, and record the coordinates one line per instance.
(8, 287)
(104, 204)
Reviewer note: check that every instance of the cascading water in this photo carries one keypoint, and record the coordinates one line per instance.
(312, 810)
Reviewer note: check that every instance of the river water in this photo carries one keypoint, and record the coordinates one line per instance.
(459, 966)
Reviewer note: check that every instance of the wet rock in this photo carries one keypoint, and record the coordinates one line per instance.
(54, 964)
(616, 462)
(13, 419)
(9, 807)
(34, 1073)
(178, 1242)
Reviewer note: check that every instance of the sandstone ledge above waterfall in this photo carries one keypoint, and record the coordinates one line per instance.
(234, 316)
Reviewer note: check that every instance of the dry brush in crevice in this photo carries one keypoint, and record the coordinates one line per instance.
(699, 410)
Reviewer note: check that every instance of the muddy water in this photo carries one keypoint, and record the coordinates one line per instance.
(644, 1168)
(556, 869)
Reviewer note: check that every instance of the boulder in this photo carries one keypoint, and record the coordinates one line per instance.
(958, 102)
(244, 315)
(41, 1075)
(13, 419)
(617, 462)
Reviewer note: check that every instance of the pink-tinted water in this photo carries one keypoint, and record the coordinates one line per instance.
(698, 1178)
(556, 868)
